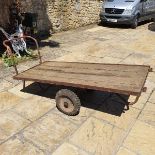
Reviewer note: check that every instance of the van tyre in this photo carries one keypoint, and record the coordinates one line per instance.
(68, 102)
(102, 23)
(134, 23)
(153, 19)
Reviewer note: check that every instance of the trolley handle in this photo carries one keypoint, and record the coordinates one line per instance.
(10, 53)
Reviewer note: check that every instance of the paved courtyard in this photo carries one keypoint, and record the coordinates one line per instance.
(30, 124)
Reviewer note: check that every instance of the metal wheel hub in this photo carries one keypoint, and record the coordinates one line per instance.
(66, 104)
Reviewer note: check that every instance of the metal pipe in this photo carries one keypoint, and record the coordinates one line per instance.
(137, 98)
(10, 51)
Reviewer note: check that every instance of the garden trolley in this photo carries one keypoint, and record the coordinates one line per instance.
(115, 78)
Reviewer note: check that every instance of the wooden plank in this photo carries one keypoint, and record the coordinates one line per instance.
(126, 79)
(96, 66)
(91, 71)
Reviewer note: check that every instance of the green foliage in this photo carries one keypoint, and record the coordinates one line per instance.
(9, 60)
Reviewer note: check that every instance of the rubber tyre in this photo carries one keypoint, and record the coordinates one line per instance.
(103, 23)
(135, 23)
(153, 19)
(72, 101)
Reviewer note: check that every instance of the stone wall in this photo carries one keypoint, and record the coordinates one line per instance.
(57, 15)
(4, 20)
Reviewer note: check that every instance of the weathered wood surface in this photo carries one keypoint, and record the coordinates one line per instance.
(125, 79)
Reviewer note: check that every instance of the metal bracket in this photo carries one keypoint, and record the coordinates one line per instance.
(150, 69)
(129, 103)
(144, 89)
(24, 84)
(136, 99)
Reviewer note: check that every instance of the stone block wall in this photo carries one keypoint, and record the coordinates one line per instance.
(58, 15)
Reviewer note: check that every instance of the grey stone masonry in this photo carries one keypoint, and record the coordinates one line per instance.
(58, 15)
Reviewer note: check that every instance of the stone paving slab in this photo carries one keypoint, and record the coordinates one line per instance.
(141, 139)
(12, 81)
(136, 41)
(49, 131)
(34, 107)
(3, 136)
(68, 149)
(152, 63)
(148, 114)
(151, 77)
(16, 147)
(152, 98)
(108, 59)
(124, 151)
(8, 101)
(4, 71)
(18, 90)
(4, 85)
(94, 29)
(137, 59)
(83, 115)
(116, 52)
(124, 122)
(150, 86)
(11, 123)
(97, 137)
(141, 102)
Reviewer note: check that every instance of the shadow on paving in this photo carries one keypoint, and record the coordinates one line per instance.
(49, 43)
(121, 26)
(101, 101)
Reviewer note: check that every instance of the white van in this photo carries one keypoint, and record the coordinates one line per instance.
(127, 11)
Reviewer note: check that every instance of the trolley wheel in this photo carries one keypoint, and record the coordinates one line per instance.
(67, 102)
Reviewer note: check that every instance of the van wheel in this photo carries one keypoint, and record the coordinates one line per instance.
(134, 23)
(153, 19)
(102, 23)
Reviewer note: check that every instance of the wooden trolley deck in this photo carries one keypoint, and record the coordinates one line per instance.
(117, 78)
